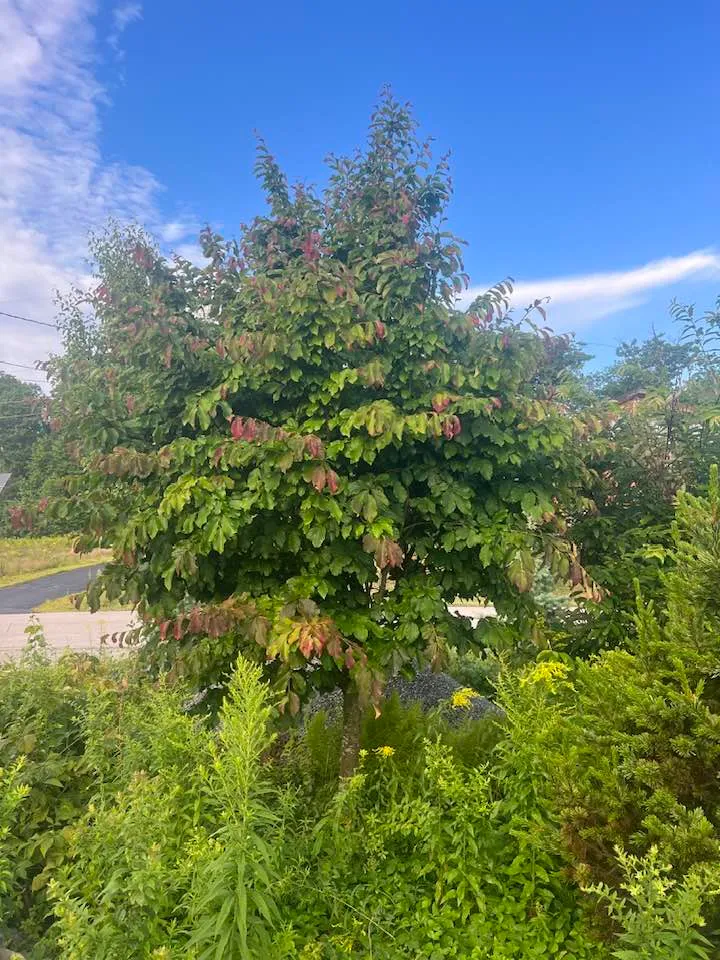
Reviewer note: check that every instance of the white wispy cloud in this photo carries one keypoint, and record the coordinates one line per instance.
(176, 230)
(192, 252)
(122, 16)
(577, 301)
(55, 185)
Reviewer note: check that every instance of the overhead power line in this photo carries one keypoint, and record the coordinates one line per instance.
(41, 323)
(9, 363)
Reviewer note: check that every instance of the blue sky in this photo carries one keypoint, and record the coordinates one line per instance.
(584, 136)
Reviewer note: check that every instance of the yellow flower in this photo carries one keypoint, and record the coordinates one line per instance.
(385, 751)
(549, 672)
(463, 697)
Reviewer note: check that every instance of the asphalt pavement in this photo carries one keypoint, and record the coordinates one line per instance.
(24, 597)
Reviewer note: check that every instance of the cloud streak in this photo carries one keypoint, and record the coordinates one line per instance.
(122, 16)
(55, 185)
(585, 298)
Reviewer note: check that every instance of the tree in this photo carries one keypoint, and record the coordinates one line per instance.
(49, 470)
(662, 410)
(21, 425)
(307, 449)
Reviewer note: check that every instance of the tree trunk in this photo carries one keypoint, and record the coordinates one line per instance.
(351, 730)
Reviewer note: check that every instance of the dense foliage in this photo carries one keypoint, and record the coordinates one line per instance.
(307, 450)
(662, 410)
(300, 456)
(36, 457)
(21, 425)
(579, 820)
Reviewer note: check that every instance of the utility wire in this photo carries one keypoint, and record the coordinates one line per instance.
(15, 316)
(24, 379)
(9, 363)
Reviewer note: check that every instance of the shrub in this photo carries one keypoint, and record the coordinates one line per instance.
(421, 854)
(40, 707)
(178, 855)
(12, 794)
(658, 917)
(638, 761)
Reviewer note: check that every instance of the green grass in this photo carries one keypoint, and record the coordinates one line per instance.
(28, 558)
(67, 605)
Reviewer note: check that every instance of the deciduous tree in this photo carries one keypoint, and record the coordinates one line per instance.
(308, 449)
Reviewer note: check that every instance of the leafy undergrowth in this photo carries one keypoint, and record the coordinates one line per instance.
(131, 827)
(578, 822)
(28, 558)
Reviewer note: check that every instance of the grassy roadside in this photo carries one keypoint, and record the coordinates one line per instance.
(32, 557)
(67, 605)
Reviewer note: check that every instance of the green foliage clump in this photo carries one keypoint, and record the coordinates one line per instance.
(177, 855)
(204, 839)
(660, 403)
(23, 424)
(12, 794)
(307, 449)
(40, 708)
(429, 856)
(658, 917)
(635, 762)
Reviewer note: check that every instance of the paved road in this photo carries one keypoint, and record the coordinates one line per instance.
(81, 630)
(74, 631)
(24, 597)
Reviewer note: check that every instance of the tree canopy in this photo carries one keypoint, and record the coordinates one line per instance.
(308, 448)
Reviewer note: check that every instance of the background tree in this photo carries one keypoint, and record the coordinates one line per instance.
(307, 450)
(662, 401)
(21, 425)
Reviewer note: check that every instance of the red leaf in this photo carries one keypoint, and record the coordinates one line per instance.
(236, 428)
(332, 482)
(380, 330)
(388, 553)
(334, 647)
(306, 644)
(318, 478)
(451, 426)
(440, 402)
(314, 446)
